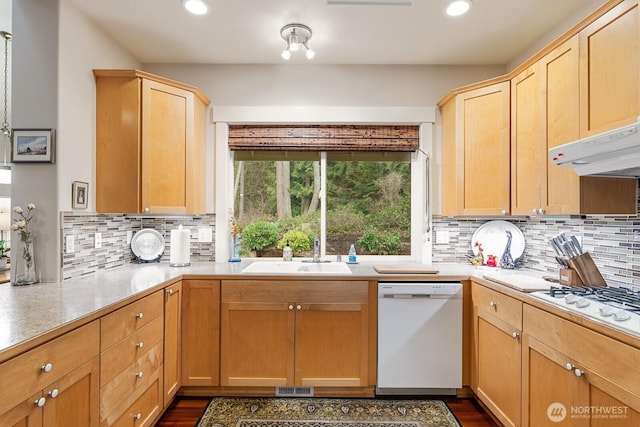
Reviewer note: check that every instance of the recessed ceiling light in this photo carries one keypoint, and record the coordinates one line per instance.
(458, 7)
(197, 7)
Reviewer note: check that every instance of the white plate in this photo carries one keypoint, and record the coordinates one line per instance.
(493, 237)
(147, 244)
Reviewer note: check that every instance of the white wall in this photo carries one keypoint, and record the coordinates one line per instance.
(5, 25)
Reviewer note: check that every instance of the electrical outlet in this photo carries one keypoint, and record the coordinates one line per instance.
(442, 236)
(70, 245)
(97, 240)
(205, 235)
(129, 236)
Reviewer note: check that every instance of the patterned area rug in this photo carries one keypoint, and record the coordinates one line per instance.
(296, 412)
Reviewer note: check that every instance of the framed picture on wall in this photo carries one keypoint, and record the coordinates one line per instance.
(80, 194)
(33, 146)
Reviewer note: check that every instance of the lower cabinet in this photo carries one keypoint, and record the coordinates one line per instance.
(132, 349)
(573, 376)
(200, 333)
(290, 333)
(172, 336)
(56, 384)
(497, 362)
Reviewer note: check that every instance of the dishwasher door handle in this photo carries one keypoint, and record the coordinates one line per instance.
(407, 296)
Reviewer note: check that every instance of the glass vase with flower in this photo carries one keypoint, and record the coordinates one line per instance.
(24, 256)
(234, 256)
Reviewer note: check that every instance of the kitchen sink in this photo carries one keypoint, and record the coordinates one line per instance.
(297, 267)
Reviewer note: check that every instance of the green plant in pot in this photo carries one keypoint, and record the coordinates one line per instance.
(3, 255)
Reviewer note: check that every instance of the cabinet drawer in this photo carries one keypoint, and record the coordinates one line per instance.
(115, 359)
(144, 410)
(128, 382)
(25, 375)
(123, 322)
(500, 305)
(593, 352)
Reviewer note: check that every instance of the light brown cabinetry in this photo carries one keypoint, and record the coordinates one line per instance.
(545, 111)
(295, 333)
(590, 379)
(475, 151)
(55, 384)
(610, 70)
(150, 142)
(172, 341)
(200, 333)
(496, 367)
(131, 388)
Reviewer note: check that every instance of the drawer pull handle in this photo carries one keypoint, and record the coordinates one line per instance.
(47, 368)
(515, 335)
(40, 402)
(298, 307)
(140, 315)
(137, 416)
(169, 292)
(54, 393)
(140, 344)
(139, 374)
(493, 304)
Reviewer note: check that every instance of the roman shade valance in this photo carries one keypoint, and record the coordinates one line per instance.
(323, 138)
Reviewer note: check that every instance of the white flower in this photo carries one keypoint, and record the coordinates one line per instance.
(20, 223)
(14, 227)
(18, 210)
(31, 206)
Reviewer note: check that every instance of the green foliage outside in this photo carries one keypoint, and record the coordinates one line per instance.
(298, 240)
(259, 235)
(381, 243)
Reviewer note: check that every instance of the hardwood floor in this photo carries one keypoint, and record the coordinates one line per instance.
(185, 412)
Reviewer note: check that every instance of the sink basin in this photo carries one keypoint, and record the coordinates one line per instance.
(295, 267)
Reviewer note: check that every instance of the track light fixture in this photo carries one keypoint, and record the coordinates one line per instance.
(297, 37)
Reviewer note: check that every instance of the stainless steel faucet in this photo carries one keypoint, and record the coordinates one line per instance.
(316, 249)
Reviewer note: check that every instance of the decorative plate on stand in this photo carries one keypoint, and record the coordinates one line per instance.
(147, 245)
(493, 238)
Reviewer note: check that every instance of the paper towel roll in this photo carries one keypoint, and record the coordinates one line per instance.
(180, 248)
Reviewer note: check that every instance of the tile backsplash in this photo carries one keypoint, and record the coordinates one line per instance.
(115, 250)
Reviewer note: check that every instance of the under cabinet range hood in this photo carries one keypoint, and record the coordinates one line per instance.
(613, 153)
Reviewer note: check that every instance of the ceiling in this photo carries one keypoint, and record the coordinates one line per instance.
(494, 32)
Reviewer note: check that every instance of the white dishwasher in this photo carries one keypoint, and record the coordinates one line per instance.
(419, 338)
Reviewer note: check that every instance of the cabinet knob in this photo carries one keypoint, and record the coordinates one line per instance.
(137, 416)
(515, 335)
(47, 368)
(569, 367)
(40, 402)
(139, 374)
(503, 211)
(493, 304)
(146, 209)
(169, 291)
(140, 344)
(54, 393)
(541, 211)
(578, 372)
(290, 307)
(140, 315)
(298, 307)
(535, 211)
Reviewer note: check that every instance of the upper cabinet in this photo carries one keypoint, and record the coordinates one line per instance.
(150, 144)
(585, 83)
(475, 152)
(610, 70)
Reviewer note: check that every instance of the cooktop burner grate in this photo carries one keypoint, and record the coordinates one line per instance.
(617, 297)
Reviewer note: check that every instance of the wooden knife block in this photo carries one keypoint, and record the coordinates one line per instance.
(586, 270)
(569, 277)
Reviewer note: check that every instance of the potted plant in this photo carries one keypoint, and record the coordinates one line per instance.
(3, 255)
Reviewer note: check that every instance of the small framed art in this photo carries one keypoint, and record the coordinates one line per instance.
(33, 146)
(80, 194)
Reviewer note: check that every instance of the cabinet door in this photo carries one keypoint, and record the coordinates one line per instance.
(482, 151)
(610, 70)
(200, 332)
(550, 388)
(26, 414)
(528, 148)
(257, 340)
(74, 399)
(498, 356)
(331, 345)
(167, 138)
(172, 334)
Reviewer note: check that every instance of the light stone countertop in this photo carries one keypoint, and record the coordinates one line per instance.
(33, 314)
